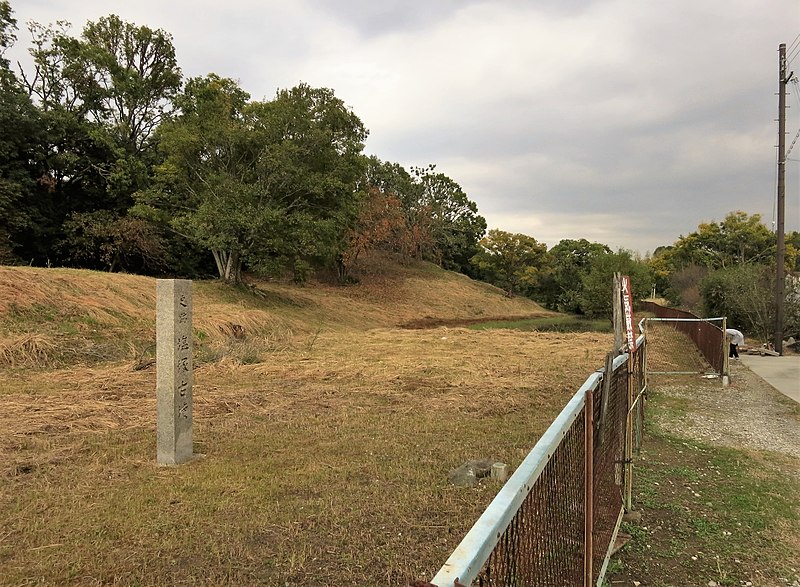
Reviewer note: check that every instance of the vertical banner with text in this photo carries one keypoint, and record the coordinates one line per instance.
(627, 306)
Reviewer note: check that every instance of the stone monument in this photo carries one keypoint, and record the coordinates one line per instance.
(174, 371)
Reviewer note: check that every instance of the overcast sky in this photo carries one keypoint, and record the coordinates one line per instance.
(626, 122)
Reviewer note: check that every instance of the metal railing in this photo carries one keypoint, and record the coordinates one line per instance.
(555, 520)
(707, 337)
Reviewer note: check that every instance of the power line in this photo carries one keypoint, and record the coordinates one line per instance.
(789, 150)
(793, 43)
(792, 53)
(796, 93)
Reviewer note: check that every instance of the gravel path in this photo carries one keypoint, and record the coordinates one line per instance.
(748, 414)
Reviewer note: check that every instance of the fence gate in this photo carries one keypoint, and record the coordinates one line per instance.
(706, 334)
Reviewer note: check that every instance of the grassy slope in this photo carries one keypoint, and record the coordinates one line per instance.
(57, 317)
(327, 434)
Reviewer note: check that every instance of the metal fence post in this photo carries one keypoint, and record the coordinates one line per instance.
(725, 350)
(629, 434)
(589, 486)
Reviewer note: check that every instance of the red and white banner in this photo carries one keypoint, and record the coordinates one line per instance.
(627, 306)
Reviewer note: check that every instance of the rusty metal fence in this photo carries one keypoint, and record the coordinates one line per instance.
(555, 520)
(707, 337)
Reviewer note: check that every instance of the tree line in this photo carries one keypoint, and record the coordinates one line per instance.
(723, 268)
(110, 160)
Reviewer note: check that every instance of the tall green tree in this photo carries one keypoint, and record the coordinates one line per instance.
(739, 238)
(793, 240)
(8, 29)
(21, 131)
(101, 96)
(455, 224)
(312, 165)
(744, 294)
(510, 261)
(260, 183)
(125, 75)
(597, 283)
(562, 282)
(206, 187)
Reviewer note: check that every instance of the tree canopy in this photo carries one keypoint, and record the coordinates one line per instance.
(569, 261)
(596, 292)
(259, 182)
(727, 268)
(110, 160)
(510, 261)
(740, 238)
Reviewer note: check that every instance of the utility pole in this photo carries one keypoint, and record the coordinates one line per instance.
(780, 279)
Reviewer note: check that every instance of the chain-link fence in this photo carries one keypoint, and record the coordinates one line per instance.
(709, 338)
(555, 520)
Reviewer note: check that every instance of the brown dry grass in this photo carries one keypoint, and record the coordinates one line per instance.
(670, 350)
(327, 432)
(59, 317)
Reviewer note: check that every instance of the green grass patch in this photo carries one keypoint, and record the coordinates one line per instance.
(549, 324)
(710, 512)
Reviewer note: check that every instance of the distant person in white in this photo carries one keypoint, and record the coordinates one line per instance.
(736, 339)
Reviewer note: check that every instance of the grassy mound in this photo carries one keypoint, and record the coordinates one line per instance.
(52, 318)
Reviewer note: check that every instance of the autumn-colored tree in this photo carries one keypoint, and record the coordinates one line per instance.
(416, 237)
(381, 224)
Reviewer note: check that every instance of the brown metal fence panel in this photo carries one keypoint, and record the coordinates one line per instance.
(707, 337)
(545, 538)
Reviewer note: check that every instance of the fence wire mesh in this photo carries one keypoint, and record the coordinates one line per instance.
(545, 538)
(609, 464)
(707, 337)
(544, 541)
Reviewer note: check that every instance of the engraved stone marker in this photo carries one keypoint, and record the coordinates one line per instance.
(174, 371)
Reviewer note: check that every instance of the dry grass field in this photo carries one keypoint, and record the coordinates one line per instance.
(326, 426)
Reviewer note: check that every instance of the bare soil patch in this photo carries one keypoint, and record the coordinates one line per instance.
(430, 322)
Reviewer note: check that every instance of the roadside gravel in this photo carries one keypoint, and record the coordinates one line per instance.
(748, 414)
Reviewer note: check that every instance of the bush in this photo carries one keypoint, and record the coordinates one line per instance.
(745, 294)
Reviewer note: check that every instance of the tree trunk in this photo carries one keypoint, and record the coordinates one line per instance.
(218, 259)
(229, 265)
